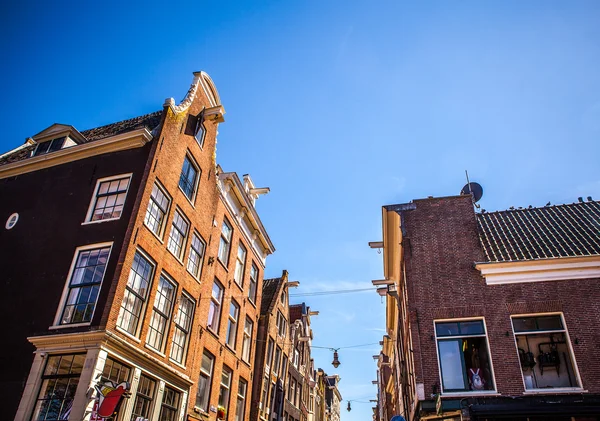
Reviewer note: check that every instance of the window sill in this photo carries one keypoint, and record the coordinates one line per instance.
(251, 302)
(129, 335)
(155, 234)
(246, 362)
(223, 265)
(156, 351)
(54, 327)
(555, 391)
(100, 221)
(196, 278)
(232, 350)
(472, 393)
(176, 258)
(240, 286)
(178, 364)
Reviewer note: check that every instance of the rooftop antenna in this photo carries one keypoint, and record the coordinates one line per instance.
(473, 189)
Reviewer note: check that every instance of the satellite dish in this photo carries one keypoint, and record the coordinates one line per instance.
(474, 189)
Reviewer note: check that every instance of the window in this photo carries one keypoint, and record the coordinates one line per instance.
(115, 371)
(240, 405)
(188, 181)
(170, 405)
(247, 341)
(544, 352)
(142, 407)
(265, 394)
(196, 257)
(206, 372)
(161, 313)
(84, 285)
(296, 358)
(214, 311)
(59, 383)
(240, 266)
(158, 208)
(225, 243)
(136, 293)
(463, 356)
(49, 146)
(200, 132)
(109, 198)
(269, 356)
(292, 391)
(183, 326)
(178, 235)
(225, 388)
(253, 283)
(234, 312)
(277, 360)
(281, 324)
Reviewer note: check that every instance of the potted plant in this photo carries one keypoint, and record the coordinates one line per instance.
(221, 412)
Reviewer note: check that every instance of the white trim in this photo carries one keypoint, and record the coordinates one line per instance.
(56, 324)
(94, 198)
(557, 269)
(184, 244)
(201, 264)
(567, 340)
(130, 140)
(489, 350)
(12, 221)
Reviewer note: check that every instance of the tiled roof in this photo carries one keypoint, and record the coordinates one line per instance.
(269, 294)
(150, 121)
(296, 312)
(541, 233)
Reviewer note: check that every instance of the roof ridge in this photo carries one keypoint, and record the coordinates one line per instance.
(521, 209)
(140, 117)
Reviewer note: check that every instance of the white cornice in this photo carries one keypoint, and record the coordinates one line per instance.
(133, 139)
(557, 269)
(208, 86)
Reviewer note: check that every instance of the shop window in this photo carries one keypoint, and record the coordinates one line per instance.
(544, 352)
(464, 356)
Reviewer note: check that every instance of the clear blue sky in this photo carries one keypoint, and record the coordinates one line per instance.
(339, 107)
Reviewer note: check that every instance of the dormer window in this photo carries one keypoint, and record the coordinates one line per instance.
(49, 146)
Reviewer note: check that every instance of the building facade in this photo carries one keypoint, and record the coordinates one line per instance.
(137, 264)
(490, 315)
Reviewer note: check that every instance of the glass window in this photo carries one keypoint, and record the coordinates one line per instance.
(247, 342)
(277, 360)
(49, 146)
(200, 131)
(225, 243)
(206, 372)
(178, 235)
(110, 199)
(265, 395)
(115, 371)
(136, 293)
(144, 397)
(84, 285)
(170, 405)
(269, 357)
(545, 354)
(161, 313)
(214, 311)
(240, 266)
(234, 312)
(253, 283)
(196, 257)
(189, 178)
(464, 356)
(59, 383)
(158, 208)
(281, 324)
(224, 390)
(240, 406)
(183, 326)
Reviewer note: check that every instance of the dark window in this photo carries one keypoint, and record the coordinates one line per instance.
(158, 207)
(189, 178)
(110, 199)
(49, 146)
(170, 405)
(144, 397)
(59, 383)
(206, 372)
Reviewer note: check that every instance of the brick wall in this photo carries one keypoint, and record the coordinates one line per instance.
(441, 245)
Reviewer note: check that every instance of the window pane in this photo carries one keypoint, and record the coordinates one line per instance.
(549, 323)
(451, 364)
(472, 328)
(524, 324)
(446, 329)
(188, 178)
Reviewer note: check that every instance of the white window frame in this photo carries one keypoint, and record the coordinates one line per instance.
(186, 330)
(197, 275)
(63, 299)
(232, 325)
(281, 324)
(208, 379)
(218, 308)
(185, 235)
(568, 340)
(144, 306)
(253, 281)
(94, 199)
(247, 340)
(241, 398)
(161, 228)
(195, 165)
(240, 265)
(224, 252)
(200, 129)
(437, 353)
(168, 317)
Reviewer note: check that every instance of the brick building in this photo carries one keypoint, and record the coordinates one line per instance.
(490, 315)
(131, 262)
(272, 350)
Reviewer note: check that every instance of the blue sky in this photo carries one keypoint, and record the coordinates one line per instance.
(339, 107)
